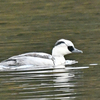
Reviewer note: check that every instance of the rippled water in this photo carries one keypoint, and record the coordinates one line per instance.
(70, 83)
(46, 84)
(35, 25)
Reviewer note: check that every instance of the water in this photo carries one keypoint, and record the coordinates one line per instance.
(41, 84)
(35, 25)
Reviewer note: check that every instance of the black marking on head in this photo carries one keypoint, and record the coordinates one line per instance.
(70, 48)
(60, 42)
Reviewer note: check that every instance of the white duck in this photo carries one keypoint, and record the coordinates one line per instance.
(62, 47)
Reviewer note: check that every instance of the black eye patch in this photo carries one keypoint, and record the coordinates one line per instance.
(59, 43)
(70, 48)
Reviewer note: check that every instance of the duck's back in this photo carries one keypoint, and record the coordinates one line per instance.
(32, 58)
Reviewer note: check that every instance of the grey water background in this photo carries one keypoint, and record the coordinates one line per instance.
(35, 25)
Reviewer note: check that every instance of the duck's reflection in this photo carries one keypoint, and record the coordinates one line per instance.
(54, 83)
(63, 76)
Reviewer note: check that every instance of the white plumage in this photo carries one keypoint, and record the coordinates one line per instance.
(62, 47)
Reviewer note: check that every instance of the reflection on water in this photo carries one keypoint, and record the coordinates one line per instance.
(40, 84)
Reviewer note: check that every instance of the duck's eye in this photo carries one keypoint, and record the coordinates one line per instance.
(58, 43)
(70, 48)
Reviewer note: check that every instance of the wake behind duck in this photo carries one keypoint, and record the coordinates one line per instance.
(62, 47)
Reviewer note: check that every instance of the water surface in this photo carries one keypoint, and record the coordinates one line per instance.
(35, 25)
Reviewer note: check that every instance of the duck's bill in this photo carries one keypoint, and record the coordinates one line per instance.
(77, 51)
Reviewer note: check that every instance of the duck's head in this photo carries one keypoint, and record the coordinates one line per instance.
(63, 47)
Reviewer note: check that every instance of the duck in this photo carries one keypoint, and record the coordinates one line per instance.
(61, 48)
